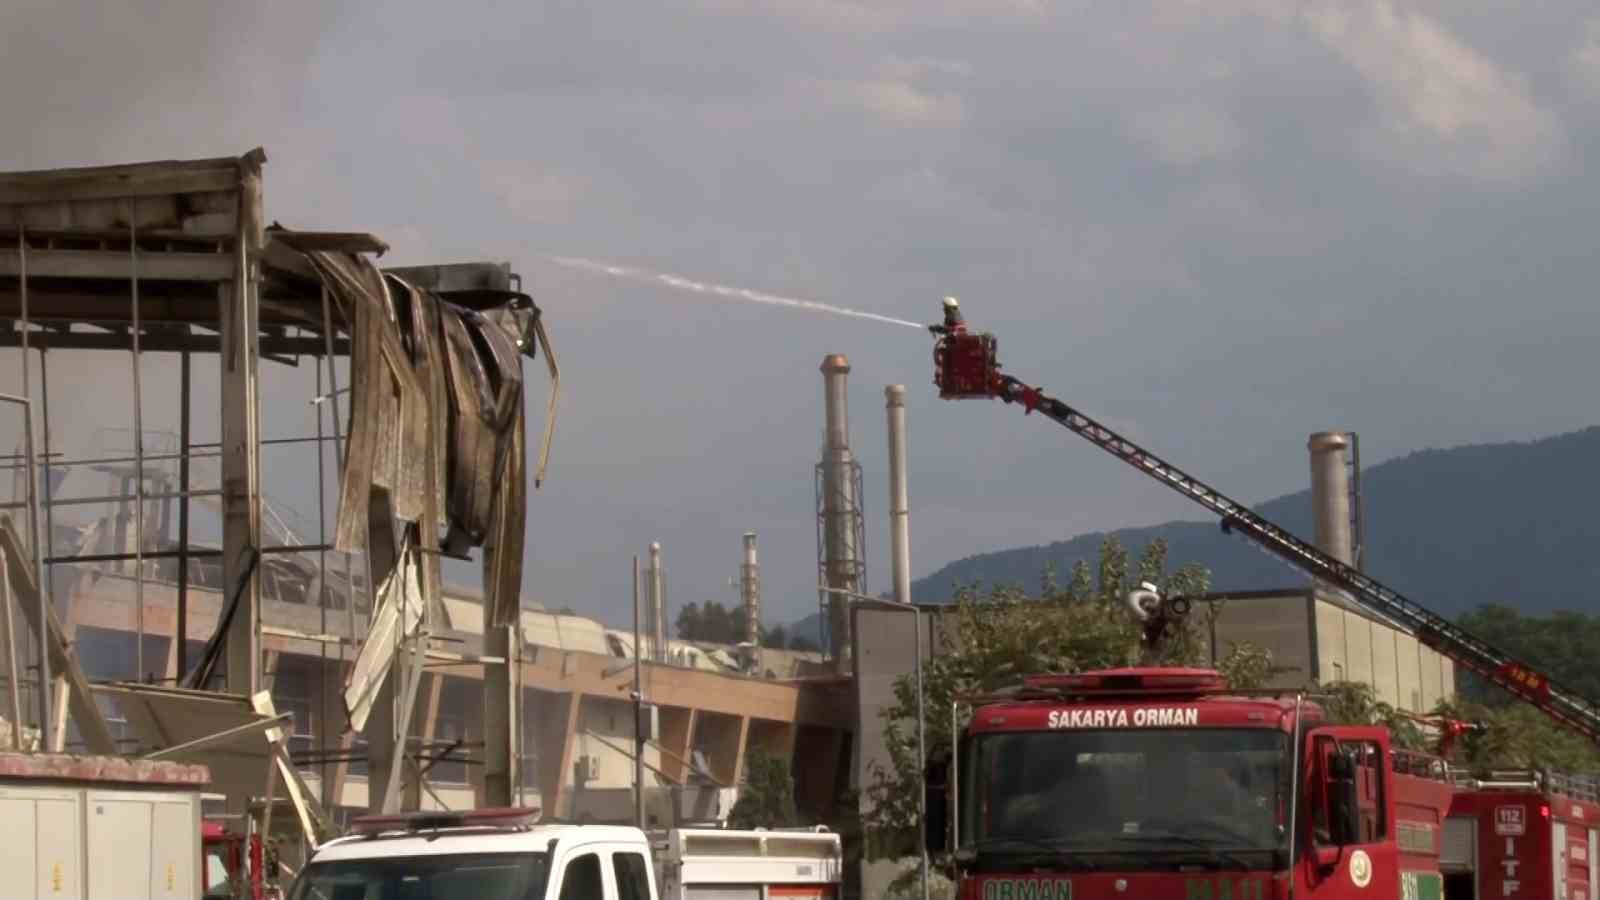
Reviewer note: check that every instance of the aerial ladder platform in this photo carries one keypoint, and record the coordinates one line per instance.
(966, 366)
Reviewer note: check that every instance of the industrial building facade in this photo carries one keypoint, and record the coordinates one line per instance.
(578, 717)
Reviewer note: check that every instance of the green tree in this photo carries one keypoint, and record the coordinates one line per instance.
(716, 624)
(1511, 736)
(1356, 703)
(1518, 737)
(999, 636)
(710, 623)
(776, 637)
(803, 644)
(688, 622)
(766, 799)
(1561, 644)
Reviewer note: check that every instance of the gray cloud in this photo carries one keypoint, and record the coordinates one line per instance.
(1224, 224)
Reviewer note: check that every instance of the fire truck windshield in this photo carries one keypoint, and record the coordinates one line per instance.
(1119, 791)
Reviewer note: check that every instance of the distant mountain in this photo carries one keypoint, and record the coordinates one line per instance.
(1516, 524)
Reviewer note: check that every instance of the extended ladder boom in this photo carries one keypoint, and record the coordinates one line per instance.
(965, 365)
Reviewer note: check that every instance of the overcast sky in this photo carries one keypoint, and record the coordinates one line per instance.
(1219, 225)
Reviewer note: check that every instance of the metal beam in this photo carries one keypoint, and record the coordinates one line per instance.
(270, 344)
(133, 180)
(41, 616)
(113, 264)
(331, 241)
(219, 737)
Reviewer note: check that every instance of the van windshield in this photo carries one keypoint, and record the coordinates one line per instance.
(461, 876)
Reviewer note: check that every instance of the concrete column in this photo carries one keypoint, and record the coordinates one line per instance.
(740, 744)
(239, 329)
(502, 627)
(502, 715)
(677, 738)
(428, 711)
(384, 739)
(330, 705)
(558, 723)
(380, 742)
(269, 670)
(241, 484)
(724, 742)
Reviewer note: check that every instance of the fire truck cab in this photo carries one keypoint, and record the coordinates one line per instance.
(1158, 783)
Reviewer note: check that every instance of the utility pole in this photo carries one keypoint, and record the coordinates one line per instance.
(638, 707)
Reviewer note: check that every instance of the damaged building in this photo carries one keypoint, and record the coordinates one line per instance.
(167, 606)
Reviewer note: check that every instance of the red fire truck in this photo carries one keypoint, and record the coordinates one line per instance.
(1523, 834)
(229, 870)
(1159, 782)
(1155, 783)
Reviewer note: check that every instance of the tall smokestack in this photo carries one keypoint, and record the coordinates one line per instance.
(1330, 493)
(899, 506)
(655, 618)
(840, 508)
(750, 590)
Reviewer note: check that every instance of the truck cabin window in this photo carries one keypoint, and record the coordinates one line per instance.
(475, 876)
(219, 884)
(582, 879)
(1122, 790)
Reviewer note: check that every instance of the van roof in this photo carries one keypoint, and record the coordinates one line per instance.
(471, 839)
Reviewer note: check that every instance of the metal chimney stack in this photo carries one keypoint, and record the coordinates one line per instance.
(1330, 493)
(899, 505)
(655, 609)
(750, 590)
(840, 537)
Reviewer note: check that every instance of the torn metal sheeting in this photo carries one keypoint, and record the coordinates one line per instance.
(163, 717)
(435, 442)
(452, 278)
(236, 739)
(398, 613)
(335, 241)
(313, 824)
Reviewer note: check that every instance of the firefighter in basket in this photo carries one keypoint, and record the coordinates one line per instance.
(953, 323)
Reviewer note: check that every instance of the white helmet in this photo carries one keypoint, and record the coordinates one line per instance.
(1144, 601)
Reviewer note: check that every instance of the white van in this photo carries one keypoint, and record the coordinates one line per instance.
(507, 854)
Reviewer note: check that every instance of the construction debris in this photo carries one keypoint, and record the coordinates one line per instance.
(435, 445)
(25, 588)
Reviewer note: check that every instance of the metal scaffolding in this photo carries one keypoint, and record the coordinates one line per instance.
(175, 258)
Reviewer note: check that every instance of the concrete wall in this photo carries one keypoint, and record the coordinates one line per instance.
(1352, 646)
(884, 643)
(1279, 622)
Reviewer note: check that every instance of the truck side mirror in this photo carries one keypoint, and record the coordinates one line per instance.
(936, 805)
(1344, 804)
